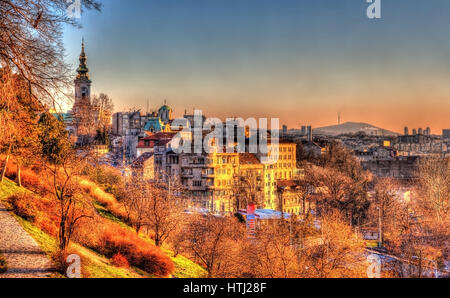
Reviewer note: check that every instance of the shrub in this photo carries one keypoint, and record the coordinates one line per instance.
(120, 261)
(22, 205)
(11, 170)
(109, 178)
(48, 226)
(33, 182)
(59, 259)
(122, 246)
(3, 265)
(109, 239)
(30, 179)
(138, 252)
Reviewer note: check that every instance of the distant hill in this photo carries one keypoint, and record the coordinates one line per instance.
(353, 128)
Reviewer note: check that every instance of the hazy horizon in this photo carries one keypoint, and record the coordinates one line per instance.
(297, 60)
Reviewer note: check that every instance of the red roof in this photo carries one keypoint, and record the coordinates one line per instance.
(157, 139)
(142, 144)
(161, 136)
(248, 159)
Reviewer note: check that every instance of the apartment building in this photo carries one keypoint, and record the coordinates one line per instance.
(220, 181)
(284, 167)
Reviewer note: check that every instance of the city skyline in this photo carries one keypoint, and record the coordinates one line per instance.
(224, 139)
(219, 58)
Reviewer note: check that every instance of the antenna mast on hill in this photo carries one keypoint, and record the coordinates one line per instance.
(339, 118)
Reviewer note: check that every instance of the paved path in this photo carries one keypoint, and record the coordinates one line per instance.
(24, 257)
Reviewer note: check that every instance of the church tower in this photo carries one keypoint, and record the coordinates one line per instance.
(82, 81)
(82, 110)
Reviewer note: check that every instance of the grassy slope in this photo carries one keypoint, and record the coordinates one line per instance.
(184, 268)
(94, 264)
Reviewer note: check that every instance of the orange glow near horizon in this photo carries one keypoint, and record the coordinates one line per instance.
(392, 114)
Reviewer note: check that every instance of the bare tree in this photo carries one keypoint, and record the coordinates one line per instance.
(31, 43)
(104, 106)
(335, 183)
(8, 129)
(340, 253)
(18, 116)
(136, 204)
(247, 189)
(386, 206)
(156, 207)
(271, 255)
(434, 188)
(73, 207)
(213, 242)
(342, 192)
(284, 251)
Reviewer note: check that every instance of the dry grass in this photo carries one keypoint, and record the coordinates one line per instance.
(30, 179)
(105, 199)
(109, 239)
(118, 243)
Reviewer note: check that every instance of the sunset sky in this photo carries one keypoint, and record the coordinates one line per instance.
(300, 60)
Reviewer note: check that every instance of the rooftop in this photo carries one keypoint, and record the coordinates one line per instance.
(248, 159)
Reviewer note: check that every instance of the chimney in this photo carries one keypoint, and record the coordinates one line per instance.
(420, 131)
(414, 132)
(406, 131)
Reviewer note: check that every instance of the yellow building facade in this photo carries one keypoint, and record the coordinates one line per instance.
(231, 171)
(284, 167)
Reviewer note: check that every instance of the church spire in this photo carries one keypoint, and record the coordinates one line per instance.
(83, 70)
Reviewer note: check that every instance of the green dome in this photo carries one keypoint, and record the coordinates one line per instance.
(165, 108)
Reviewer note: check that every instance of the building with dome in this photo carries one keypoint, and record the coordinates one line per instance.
(132, 126)
(165, 114)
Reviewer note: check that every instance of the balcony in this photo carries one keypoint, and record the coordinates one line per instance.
(208, 174)
(196, 165)
(187, 174)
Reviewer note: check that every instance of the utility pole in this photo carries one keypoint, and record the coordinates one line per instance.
(170, 186)
(280, 200)
(380, 229)
(290, 232)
